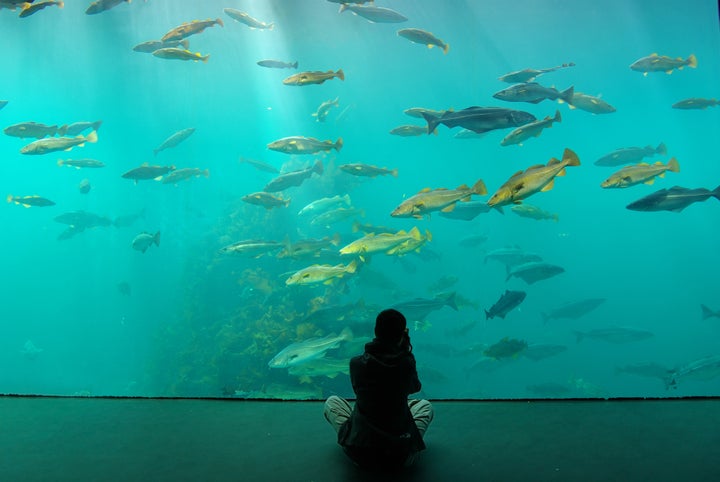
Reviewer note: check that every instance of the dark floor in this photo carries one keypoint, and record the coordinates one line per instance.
(78, 439)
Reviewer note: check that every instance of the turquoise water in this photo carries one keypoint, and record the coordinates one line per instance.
(201, 323)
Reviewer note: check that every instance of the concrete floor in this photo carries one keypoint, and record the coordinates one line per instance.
(79, 439)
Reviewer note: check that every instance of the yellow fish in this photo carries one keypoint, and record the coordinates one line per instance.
(534, 179)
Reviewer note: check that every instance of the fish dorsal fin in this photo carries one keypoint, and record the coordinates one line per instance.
(659, 163)
(517, 174)
(144, 164)
(553, 161)
(462, 187)
(536, 166)
(548, 186)
(427, 189)
(654, 54)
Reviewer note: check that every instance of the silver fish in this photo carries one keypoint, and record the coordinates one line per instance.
(312, 349)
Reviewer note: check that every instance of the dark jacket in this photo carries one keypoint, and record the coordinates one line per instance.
(381, 429)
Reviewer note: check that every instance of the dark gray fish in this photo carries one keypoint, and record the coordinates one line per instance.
(77, 128)
(101, 6)
(630, 155)
(174, 139)
(507, 302)
(479, 119)
(533, 93)
(277, 64)
(294, 178)
(31, 129)
(419, 308)
(152, 45)
(614, 335)
(146, 172)
(83, 220)
(470, 210)
(144, 240)
(674, 199)
(573, 310)
(708, 313)
(687, 104)
(374, 14)
(534, 271)
(529, 75)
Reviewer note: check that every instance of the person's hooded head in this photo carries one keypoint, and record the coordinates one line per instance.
(390, 325)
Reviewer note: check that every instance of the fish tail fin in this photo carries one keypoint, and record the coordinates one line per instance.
(92, 138)
(185, 43)
(706, 312)
(271, 26)
(205, 58)
(692, 61)
(567, 94)
(287, 202)
(450, 301)
(156, 239)
(155, 152)
(294, 65)
(340, 74)
(578, 336)
(9, 198)
(558, 117)
(205, 173)
(219, 22)
(356, 226)
(318, 167)
(62, 130)
(415, 233)
(446, 48)
(96, 125)
(661, 149)
(571, 158)
(716, 193)
(346, 334)
(61, 4)
(673, 165)
(343, 7)
(394, 172)
(352, 266)
(487, 315)
(479, 188)
(338, 144)
(60, 162)
(432, 121)
(556, 217)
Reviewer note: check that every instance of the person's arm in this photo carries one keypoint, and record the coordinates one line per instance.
(414, 384)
